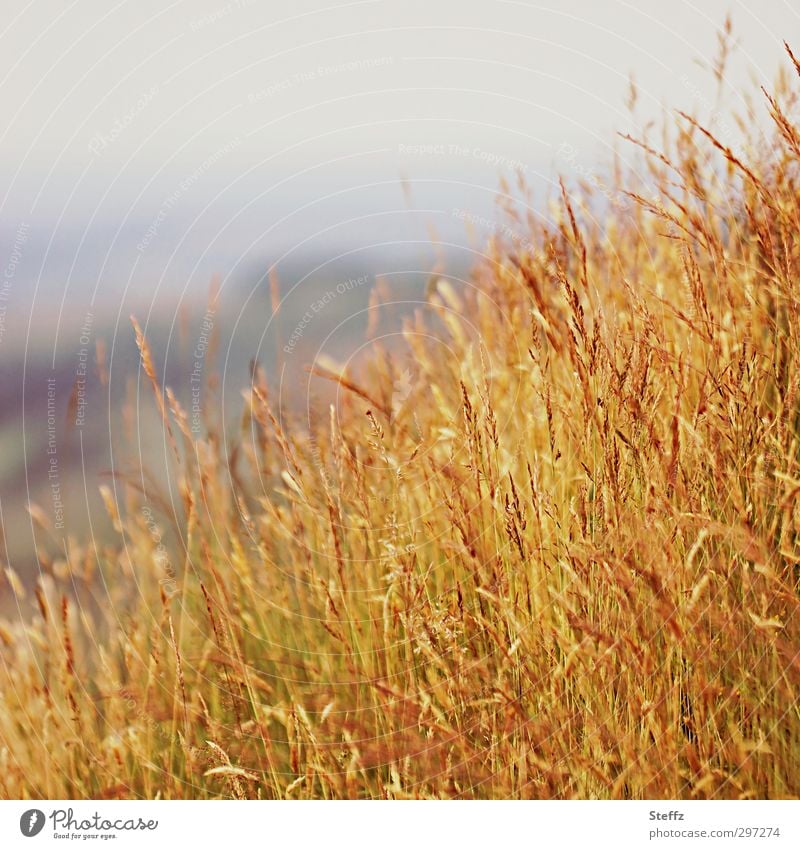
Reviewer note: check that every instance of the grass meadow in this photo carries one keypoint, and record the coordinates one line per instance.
(548, 547)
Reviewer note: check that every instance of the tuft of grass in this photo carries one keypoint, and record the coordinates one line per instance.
(567, 565)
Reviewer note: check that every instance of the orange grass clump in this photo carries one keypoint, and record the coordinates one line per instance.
(567, 566)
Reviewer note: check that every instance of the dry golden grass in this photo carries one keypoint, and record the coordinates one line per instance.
(568, 566)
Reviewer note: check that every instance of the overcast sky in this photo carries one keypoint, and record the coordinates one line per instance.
(159, 141)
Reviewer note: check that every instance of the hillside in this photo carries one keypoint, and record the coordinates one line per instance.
(547, 549)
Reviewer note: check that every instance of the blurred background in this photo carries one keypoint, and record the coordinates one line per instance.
(301, 163)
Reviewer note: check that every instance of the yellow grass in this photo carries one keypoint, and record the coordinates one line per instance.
(567, 566)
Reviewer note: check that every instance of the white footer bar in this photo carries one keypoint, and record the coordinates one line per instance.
(410, 825)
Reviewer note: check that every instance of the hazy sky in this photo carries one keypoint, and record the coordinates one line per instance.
(149, 142)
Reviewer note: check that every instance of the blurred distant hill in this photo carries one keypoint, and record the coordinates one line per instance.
(70, 420)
